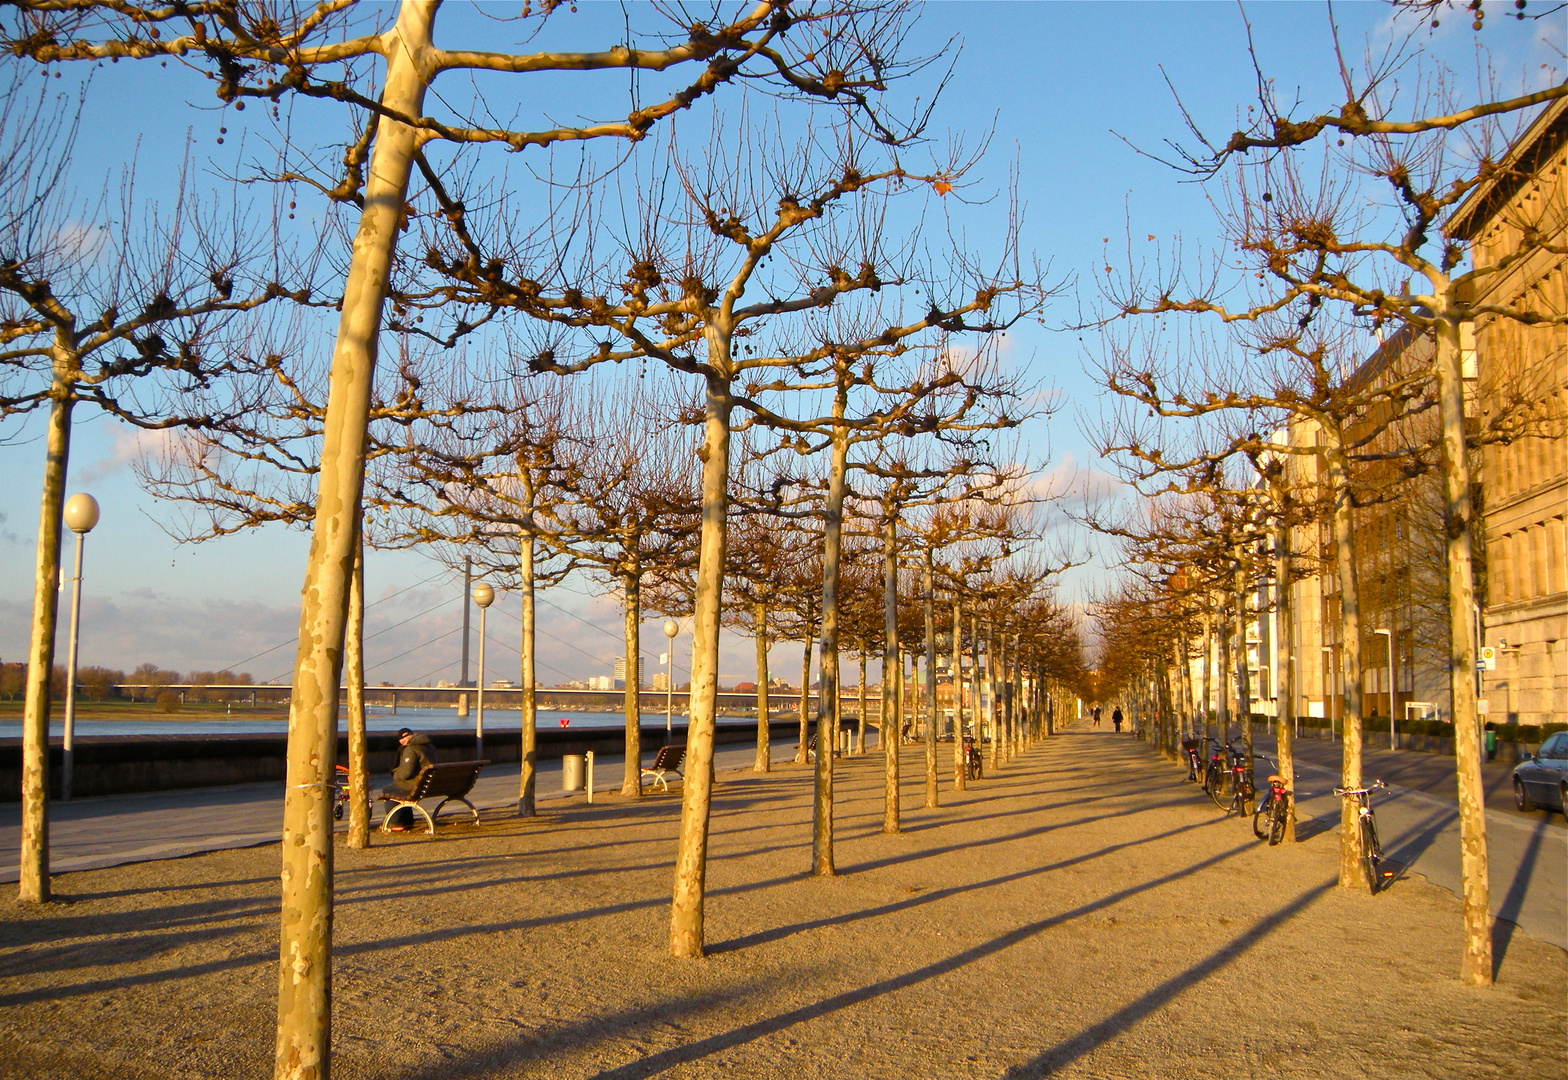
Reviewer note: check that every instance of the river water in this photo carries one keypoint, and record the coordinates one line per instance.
(377, 718)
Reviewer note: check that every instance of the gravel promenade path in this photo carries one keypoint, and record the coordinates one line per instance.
(1082, 914)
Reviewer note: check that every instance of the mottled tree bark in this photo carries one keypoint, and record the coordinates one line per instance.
(691, 858)
(1350, 873)
(827, 697)
(33, 880)
(1459, 513)
(1224, 680)
(892, 671)
(860, 696)
(304, 1029)
(803, 710)
(1285, 715)
(764, 759)
(960, 773)
(631, 701)
(528, 749)
(928, 612)
(354, 662)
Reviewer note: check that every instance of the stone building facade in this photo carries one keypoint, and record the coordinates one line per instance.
(1525, 482)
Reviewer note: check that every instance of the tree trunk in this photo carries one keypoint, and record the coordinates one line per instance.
(691, 858)
(528, 748)
(960, 774)
(1350, 873)
(1224, 680)
(803, 710)
(304, 1029)
(977, 686)
(928, 611)
(1476, 967)
(892, 669)
(860, 694)
(33, 880)
(989, 694)
(631, 701)
(827, 695)
(1285, 645)
(764, 760)
(1243, 672)
(354, 662)
(1208, 676)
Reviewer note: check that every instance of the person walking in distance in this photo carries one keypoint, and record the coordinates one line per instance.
(1116, 719)
(1095, 712)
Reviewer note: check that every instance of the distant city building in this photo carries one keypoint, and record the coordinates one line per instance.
(503, 684)
(619, 676)
(661, 681)
(601, 682)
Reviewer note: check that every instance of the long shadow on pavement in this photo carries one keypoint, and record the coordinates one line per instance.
(1127, 1016)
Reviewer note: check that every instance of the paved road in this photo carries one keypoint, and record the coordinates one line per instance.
(86, 834)
(1418, 822)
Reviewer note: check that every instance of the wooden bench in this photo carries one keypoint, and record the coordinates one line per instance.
(667, 760)
(450, 782)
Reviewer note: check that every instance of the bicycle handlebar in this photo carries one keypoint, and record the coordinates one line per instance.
(1348, 792)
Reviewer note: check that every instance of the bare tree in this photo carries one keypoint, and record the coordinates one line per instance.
(1319, 222)
(113, 304)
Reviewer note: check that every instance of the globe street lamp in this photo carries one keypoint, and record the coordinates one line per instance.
(81, 514)
(484, 596)
(671, 628)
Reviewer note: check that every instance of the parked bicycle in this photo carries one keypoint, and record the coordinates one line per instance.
(972, 767)
(1371, 849)
(340, 795)
(1269, 819)
(1215, 776)
(1233, 794)
(1190, 748)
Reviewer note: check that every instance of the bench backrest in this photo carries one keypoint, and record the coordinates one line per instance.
(669, 757)
(449, 780)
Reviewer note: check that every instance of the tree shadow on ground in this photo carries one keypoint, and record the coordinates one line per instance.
(495, 1059)
(1123, 1019)
(1506, 923)
(778, 933)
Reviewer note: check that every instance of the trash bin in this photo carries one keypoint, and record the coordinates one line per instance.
(1491, 743)
(572, 772)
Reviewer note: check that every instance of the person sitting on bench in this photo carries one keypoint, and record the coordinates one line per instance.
(414, 756)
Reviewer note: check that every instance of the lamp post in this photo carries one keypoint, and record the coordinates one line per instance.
(1393, 738)
(671, 628)
(81, 514)
(484, 596)
(1328, 688)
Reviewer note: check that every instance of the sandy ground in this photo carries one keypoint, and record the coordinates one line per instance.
(1083, 914)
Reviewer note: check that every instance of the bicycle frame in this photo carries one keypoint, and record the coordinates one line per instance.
(1371, 848)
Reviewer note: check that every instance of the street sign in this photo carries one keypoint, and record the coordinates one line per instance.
(1488, 659)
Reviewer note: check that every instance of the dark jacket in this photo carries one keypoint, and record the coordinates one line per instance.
(415, 756)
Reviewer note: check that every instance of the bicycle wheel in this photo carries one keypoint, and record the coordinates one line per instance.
(1371, 853)
(1263, 817)
(1277, 819)
(1219, 788)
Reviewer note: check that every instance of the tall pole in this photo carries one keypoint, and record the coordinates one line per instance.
(1393, 738)
(468, 584)
(670, 630)
(81, 514)
(483, 595)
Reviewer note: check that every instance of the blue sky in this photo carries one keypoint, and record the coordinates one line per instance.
(1058, 83)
